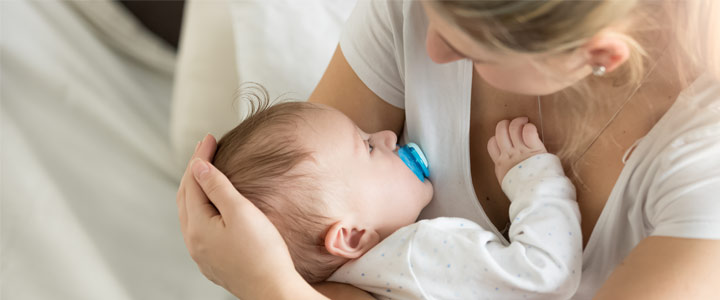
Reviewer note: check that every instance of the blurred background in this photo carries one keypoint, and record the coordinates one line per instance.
(101, 104)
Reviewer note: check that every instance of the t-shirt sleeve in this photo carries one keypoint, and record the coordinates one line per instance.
(684, 199)
(372, 44)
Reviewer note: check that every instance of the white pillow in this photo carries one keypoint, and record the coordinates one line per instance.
(285, 45)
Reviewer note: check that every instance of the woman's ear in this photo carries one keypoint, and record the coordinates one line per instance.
(608, 49)
(345, 240)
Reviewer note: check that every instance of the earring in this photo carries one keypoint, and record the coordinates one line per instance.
(598, 70)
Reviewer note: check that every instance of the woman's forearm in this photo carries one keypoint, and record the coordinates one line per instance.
(291, 286)
(666, 268)
(334, 290)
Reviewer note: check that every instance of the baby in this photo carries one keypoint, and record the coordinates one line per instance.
(346, 205)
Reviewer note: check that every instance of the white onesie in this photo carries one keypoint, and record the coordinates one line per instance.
(454, 258)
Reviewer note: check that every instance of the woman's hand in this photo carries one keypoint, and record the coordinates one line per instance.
(232, 241)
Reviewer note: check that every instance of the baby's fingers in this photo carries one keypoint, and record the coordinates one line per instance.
(493, 149)
(531, 138)
(502, 136)
(515, 130)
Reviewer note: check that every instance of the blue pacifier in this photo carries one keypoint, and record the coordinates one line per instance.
(414, 158)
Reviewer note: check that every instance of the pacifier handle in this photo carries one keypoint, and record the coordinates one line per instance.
(415, 159)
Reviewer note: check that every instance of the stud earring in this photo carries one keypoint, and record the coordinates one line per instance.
(598, 70)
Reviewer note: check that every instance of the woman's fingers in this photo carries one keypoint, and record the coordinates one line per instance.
(206, 150)
(199, 206)
(219, 190)
(233, 243)
(188, 186)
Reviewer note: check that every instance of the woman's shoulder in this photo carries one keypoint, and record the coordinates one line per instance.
(379, 40)
(682, 147)
(671, 182)
(701, 100)
(694, 118)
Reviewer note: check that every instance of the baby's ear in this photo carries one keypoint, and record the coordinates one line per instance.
(345, 240)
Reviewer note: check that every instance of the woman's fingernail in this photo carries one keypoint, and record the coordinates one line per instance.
(200, 168)
(206, 137)
(198, 146)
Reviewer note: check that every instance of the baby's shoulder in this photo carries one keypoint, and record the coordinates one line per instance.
(432, 228)
(445, 223)
(445, 228)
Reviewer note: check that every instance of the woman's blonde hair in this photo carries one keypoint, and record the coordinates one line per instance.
(690, 27)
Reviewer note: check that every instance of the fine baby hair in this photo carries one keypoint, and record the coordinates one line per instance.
(265, 162)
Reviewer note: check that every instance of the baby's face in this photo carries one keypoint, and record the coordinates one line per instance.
(379, 190)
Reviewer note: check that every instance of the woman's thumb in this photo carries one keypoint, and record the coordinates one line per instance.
(200, 170)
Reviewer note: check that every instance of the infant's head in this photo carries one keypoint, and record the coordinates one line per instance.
(332, 190)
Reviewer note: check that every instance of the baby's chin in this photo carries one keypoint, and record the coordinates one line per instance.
(427, 185)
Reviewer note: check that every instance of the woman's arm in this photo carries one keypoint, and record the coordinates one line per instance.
(667, 268)
(681, 260)
(341, 88)
(334, 290)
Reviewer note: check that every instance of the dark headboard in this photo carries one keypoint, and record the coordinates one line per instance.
(164, 18)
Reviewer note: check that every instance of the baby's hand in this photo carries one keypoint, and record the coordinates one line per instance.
(514, 141)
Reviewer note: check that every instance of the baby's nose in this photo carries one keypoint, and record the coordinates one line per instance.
(388, 139)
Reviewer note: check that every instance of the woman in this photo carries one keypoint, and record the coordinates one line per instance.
(626, 92)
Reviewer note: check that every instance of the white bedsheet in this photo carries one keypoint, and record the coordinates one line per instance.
(87, 180)
(87, 175)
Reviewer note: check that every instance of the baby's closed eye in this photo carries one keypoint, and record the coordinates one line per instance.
(370, 147)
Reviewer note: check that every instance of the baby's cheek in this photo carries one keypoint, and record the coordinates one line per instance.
(426, 196)
(430, 189)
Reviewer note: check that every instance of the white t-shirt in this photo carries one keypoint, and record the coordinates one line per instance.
(668, 187)
(455, 258)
